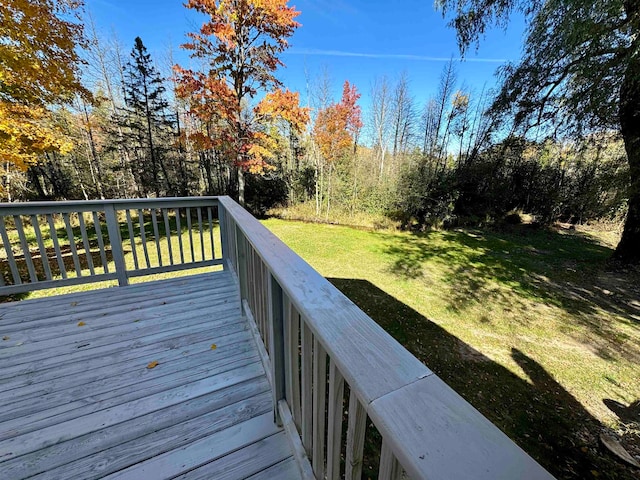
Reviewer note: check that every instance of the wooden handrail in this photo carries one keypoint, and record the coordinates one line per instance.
(100, 223)
(428, 430)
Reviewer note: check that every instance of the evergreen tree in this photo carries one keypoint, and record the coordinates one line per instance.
(147, 122)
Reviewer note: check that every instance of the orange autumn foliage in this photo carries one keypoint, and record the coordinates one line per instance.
(285, 105)
(337, 126)
(241, 41)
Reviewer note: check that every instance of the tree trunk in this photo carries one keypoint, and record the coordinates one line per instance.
(628, 250)
(241, 186)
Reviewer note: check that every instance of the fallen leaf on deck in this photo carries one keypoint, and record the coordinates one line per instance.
(5, 338)
(81, 324)
(73, 304)
(153, 364)
(213, 346)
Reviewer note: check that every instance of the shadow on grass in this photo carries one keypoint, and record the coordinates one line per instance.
(539, 414)
(568, 271)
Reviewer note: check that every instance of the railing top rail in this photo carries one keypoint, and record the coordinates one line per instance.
(433, 432)
(73, 206)
(68, 206)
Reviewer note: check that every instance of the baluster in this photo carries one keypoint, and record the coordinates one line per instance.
(319, 402)
(143, 237)
(72, 244)
(210, 218)
(334, 434)
(85, 242)
(167, 233)
(293, 361)
(276, 343)
(56, 245)
(179, 227)
(44, 258)
(199, 210)
(306, 386)
(7, 247)
(98, 229)
(132, 238)
(356, 428)
(156, 235)
(25, 248)
(389, 467)
(190, 234)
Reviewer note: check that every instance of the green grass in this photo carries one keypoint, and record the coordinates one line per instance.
(526, 324)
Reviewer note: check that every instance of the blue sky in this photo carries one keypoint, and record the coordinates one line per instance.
(355, 40)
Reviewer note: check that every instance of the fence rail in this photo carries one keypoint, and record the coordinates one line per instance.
(332, 366)
(54, 244)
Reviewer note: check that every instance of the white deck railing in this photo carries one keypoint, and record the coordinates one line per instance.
(308, 326)
(329, 363)
(55, 244)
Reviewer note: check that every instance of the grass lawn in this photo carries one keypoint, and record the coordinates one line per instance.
(526, 324)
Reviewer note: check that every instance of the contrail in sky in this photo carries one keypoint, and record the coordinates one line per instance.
(396, 56)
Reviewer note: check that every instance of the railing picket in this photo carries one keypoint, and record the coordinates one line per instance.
(26, 251)
(200, 228)
(143, 237)
(156, 235)
(292, 360)
(44, 257)
(276, 351)
(7, 247)
(389, 467)
(72, 244)
(97, 227)
(56, 246)
(179, 229)
(356, 428)
(319, 405)
(167, 233)
(132, 238)
(307, 354)
(193, 257)
(334, 431)
(85, 242)
(210, 218)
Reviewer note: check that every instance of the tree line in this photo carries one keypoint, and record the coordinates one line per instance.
(228, 126)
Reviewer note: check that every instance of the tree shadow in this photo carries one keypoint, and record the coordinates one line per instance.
(537, 413)
(510, 268)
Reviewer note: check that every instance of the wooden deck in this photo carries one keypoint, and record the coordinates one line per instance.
(78, 401)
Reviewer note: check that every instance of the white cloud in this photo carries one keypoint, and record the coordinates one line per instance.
(388, 56)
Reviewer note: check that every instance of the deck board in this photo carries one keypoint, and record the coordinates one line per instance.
(80, 402)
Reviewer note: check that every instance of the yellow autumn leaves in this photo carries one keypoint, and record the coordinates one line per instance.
(38, 69)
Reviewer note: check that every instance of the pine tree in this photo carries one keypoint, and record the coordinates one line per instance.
(145, 117)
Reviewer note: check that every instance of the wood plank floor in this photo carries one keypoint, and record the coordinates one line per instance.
(77, 400)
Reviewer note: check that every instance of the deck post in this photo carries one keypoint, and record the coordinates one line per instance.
(276, 339)
(223, 236)
(115, 239)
